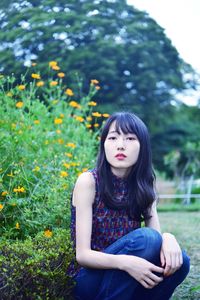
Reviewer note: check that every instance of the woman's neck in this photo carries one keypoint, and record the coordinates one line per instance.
(121, 173)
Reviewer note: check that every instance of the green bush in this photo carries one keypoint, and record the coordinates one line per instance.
(48, 136)
(36, 268)
(195, 190)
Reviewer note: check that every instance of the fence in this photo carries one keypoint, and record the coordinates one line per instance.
(186, 197)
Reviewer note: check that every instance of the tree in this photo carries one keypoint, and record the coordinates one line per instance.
(176, 147)
(109, 40)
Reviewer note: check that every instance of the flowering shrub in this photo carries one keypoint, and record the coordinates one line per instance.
(36, 268)
(49, 135)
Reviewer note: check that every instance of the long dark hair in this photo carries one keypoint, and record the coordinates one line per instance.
(141, 177)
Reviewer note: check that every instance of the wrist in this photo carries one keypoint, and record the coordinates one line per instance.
(124, 261)
(121, 262)
(167, 234)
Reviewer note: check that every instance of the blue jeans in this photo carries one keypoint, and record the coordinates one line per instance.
(113, 284)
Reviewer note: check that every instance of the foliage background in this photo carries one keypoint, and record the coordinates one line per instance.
(126, 50)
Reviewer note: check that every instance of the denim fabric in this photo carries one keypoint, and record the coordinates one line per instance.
(113, 284)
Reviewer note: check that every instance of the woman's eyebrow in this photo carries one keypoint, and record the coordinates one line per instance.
(113, 131)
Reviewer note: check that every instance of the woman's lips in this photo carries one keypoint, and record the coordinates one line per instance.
(120, 156)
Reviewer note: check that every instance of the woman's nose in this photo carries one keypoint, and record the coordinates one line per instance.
(121, 143)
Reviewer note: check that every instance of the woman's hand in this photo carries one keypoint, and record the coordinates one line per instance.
(142, 270)
(170, 254)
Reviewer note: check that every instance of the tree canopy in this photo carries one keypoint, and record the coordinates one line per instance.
(127, 51)
(109, 40)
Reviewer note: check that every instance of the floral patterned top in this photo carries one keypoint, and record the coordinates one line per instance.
(108, 225)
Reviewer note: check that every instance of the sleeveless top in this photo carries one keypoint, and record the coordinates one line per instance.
(108, 224)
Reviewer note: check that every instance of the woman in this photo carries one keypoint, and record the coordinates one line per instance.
(119, 259)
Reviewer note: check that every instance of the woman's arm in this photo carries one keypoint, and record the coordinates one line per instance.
(153, 222)
(83, 197)
(170, 254)
(140, 269)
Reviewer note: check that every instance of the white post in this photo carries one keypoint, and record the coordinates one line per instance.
(187, 199)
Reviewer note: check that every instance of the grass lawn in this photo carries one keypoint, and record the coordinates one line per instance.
(186, 227)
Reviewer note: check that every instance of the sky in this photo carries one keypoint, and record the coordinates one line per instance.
(181, 22)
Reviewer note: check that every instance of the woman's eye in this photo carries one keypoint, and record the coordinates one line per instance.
(131, 138)
(112, 138)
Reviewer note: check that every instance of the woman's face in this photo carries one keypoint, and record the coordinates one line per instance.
(121, 150)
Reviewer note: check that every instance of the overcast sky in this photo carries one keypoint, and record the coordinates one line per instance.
(181, 21)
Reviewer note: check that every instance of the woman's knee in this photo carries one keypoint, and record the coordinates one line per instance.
(153, 243)
(146, 239)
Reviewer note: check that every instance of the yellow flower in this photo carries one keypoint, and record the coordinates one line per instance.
(89, 118)
(62, 115)
(56, 68)
(96, 114)
(96, 125)
(68, 154)
(53, 63)
(4, 193)
(64, 186)
(9, 94)
(78, 118)
(63, 174)
(84, 169)
(105, 115)
(36, 169)
(35, 76)
(53, 83)
(72, 145)
(33, 64)
(19, 190)
(74, 164)
(92, 103)
(1, 206)
(19, 104)
(97, 87)
(21, 87)
(94, 81)
(61, 74)
(36, 121)
(66, 165)
(58, 131)
(74, 104)
(88, 125)
(17, 226)
(40, 83)
(60, 141)
(69, 92)
(48, 233)
(58, 121)
(10, 175)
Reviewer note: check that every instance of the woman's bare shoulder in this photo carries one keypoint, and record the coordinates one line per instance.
(84, 188)
(86, 179)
